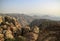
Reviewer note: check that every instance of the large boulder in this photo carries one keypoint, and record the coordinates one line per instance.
(1, 37)
(8, 34)
(35, 29)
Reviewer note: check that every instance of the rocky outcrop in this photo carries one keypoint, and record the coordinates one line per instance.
(8, 27)
(11, 29)
(32, 35)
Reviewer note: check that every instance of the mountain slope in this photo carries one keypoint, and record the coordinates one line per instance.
(49, 30)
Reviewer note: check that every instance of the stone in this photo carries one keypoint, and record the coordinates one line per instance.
(8, 34)
(1, 37)
(35, 29)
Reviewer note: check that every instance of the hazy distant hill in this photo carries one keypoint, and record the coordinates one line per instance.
(55, 18)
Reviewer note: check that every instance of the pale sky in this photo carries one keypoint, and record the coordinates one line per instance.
(37, 7)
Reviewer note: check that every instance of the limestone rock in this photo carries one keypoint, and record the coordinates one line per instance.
(8, 34)
(1, 37)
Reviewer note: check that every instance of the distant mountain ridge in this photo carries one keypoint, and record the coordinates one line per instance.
(27, 19)
(47, 17)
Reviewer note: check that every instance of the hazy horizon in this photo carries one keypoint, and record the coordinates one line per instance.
(31, 7)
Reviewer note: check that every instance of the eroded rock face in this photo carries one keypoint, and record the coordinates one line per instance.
(33, 34)
(8, 27)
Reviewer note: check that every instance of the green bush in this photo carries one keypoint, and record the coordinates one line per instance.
(21, 38)
(9, 39)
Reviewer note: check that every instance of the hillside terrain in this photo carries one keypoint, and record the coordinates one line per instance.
(49, 30)
(20, 27)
